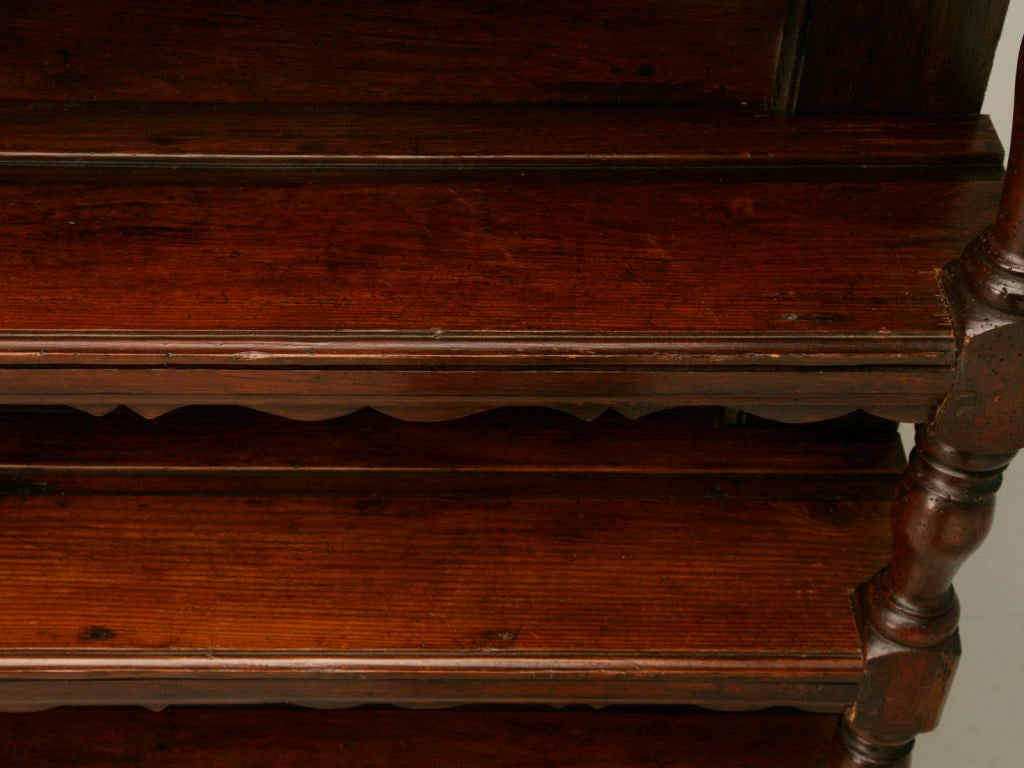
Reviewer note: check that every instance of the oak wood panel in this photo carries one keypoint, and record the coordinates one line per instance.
(830, 259)
(358, 51)
(315, 139)
(225, 738)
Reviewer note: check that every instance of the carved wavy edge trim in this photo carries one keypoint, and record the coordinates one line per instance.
(586, 412)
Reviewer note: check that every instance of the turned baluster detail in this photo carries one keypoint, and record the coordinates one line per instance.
(943, 506)
(908, 613)
(941, 513)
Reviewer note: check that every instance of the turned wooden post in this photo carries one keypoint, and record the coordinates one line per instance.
(942, 509)
(908, 612)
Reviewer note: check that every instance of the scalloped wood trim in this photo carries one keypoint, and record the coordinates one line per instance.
(449, 411)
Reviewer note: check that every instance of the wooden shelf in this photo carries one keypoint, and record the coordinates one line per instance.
(344, 353)
(516, 260)
(600, 583)
(225, 738)
(460, 258)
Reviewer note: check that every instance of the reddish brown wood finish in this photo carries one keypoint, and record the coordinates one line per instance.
(167, 278)
(941, 513)
(852, 749)
(944, 505)
(409, 50)
(99, 738)
(553, 257)
(994, 263)
(166, 287)
(160, 259)
(793, 394)
(908, 613)
(444, 591)
(582, 577)
(986, 293)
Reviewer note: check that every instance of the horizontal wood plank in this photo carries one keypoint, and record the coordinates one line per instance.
(381, 575)
(461, 592)
(152, 138)
(409, 50)
(763, 258)
(746, 256)
(219, 738)
(348, 600)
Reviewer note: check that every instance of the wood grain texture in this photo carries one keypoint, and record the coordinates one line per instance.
(877, 57)
(181, 738)
(581, 577)
(908, 613)
(163, 141)
(569, 257)
(679, 453)
(549, 278)
(191, 274)
(795, 393)
(157, 257)
(342, 600)
(358, 51)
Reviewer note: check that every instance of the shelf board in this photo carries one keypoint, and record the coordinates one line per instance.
(226, 738)
(703, 266)
(451, 588)
(461, 258)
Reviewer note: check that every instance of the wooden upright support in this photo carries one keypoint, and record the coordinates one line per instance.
(943, 507)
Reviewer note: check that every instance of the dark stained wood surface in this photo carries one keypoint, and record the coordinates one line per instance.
(579, 276)
(678, 453)
(799, 392)
(360, 51)
(745, 255)
(583, 577)
(342, 600)
(462, 592)
(705, 263)
(315, 139)
(985, 290)
(740, 292)
(878, 57)
(226, 738)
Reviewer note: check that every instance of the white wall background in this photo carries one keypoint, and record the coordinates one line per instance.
(983, 725)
